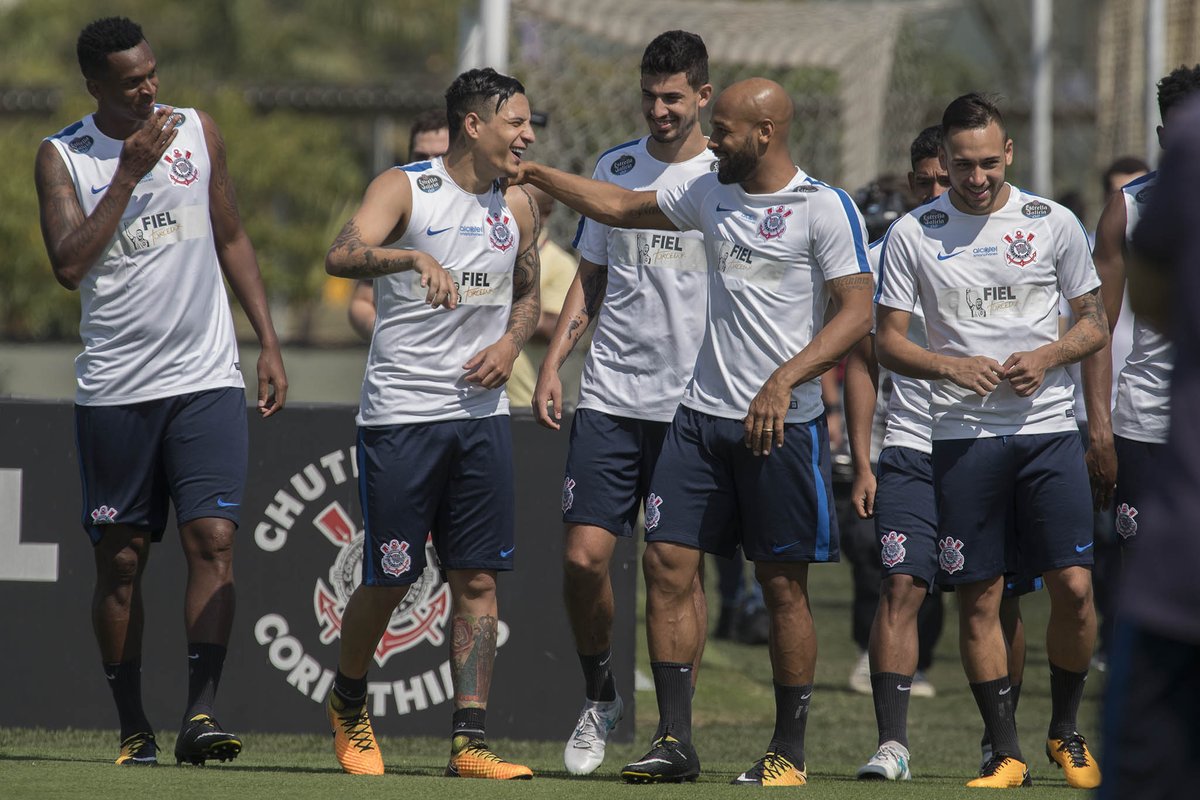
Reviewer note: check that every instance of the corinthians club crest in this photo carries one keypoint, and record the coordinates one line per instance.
(893, 551)
(774, 223)
(420, 617)
(1020, 252)
(950, 557)
(182, 171)
(500, 236)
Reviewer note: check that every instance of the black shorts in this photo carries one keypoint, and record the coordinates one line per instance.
(906, 514)
(1134, 478)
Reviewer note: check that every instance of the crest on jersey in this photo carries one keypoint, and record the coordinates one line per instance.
(500, 236)
(774, 223)
(1020, 251)
(1035, 209)
(429, 183)
(395, 560)
(107, 516)
(653, 515)
(182, 171)
(892, 552)
(950, 557)
(934, 219)
(81, 144)
(568, 498)
(1126, 520)
(622, 165)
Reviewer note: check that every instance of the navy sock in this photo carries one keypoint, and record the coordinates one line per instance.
(673, 691)
(1066, 692)
(994, 699)
(350, 693)
(469, 722)
(890, 691)
(597, 676)
(205, 662)
(125, 681)
(791, 719)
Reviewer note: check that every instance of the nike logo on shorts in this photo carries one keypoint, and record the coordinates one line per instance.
(944, 256)
(508, 552)
(222, 504)
(1079, 549)
(432, 232)
(781, 548)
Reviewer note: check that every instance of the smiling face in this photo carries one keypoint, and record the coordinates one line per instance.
(734, 141)
(976, 159)
(671, 106)
(126, 92)
(501, 138)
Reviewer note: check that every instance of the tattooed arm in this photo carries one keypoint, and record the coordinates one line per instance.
(75, 241)
(492, 365)
(579, 309)
(1026, 371)
(604, 202)
(235, 253)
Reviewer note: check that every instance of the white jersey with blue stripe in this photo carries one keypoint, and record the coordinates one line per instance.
(769, 258)
(988, 286)
(155, 318)
(1143, 401)
(415, 365)
(652, 320)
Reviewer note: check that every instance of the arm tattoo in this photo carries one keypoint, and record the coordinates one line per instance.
(472, 657)
(648, 209)
(1091, 325)
(222, 184)
(594, 287)
(526, 302)
(360, 261)
(851, 283)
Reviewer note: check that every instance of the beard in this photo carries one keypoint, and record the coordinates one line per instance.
(736, 166)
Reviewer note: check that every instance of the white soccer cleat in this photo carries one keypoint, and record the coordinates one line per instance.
(890, 763)
(585, 749)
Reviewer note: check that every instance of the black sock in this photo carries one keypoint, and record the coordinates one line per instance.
(1016, 697)
(890, 691)
(791, 717)
(994, 699)
(469, 722)
(204, 675)
(350, 693)
(1066, 691)
(125, 681)
(673, 690)
(598, 679)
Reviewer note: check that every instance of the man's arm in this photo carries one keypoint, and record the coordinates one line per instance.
(492, 365)
(75, 241)
(362, 309)
(579, 309)
(851, 297)
(860, 390)
(602, 201)
(236, 256)
(979, 374)
(1026, 370)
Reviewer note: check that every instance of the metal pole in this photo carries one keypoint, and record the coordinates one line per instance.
(494, 15)
(1156, 43)
(1042, 131)
(470, 39)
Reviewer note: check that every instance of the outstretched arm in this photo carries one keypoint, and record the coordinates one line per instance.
(604, 202)
(236, 256)
(580, 308)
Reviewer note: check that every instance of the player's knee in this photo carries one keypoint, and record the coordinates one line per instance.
(668, 571)
(901, 596)
(1071, 591)
(472, 586)
(581, 564)
(122, 568)
(209, 541)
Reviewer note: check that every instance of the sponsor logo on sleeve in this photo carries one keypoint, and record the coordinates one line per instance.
(623, 165)
(81, 144)
(1035, 209)
(429, 183)
(805, 188)
(934, 218)
(178, 119)
(714, 166)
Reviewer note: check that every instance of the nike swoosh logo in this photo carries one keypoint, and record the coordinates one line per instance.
(779, 549)
(722, 210)
(605, 661)
(432, 232)
(1079, 549)
(805, 697)
(1005, 691)
(508, 552)
(222, 504)
(743, 779)
(900, 688)
(193, 656)
(650, 761)
(99, 189)
(944, 256)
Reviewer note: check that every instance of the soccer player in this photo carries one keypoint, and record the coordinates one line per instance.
(648, 289)
(455, 261)
(1135, 434)
(746, 459)
(1006, 452)
(139, 215)
(428, 138)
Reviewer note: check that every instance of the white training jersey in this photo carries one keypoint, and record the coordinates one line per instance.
(908, 423)
(989, 286)
(415, 365)
(154, 318)
(769, 258)
(1143, 404)
(652, 320)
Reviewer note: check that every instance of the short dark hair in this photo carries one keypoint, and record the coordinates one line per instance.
(471, 92)
(927, 145)
(971, 112)
(673, 52)
(1177, 87)
(1125, 165)
(102, 37)
(433, 119)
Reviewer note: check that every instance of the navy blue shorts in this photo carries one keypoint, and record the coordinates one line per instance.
(710, 492)
(135, 459)
(1018, 505)
(609, 467)
(906, 514)
(1135, 474)
(453, 479)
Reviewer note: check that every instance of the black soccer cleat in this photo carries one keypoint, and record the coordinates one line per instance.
(138, 750)
(669, 761)
(202, 738)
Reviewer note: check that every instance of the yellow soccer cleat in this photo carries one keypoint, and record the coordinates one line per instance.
(353, 738)
(773, 769)
(472, 758)
(138, 750)
(1073, 757)
(1002, 772)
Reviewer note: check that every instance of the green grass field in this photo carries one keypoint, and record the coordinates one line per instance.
(733, 715)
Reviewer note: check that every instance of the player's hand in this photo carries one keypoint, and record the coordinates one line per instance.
(440, 288)
(1026, 371)
(547, 398)
(1101, 460)
(145, 146)
(765, 417)
(492, 365)
(517, 175)
(862, 494)
(979, 374)
(272, 381)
